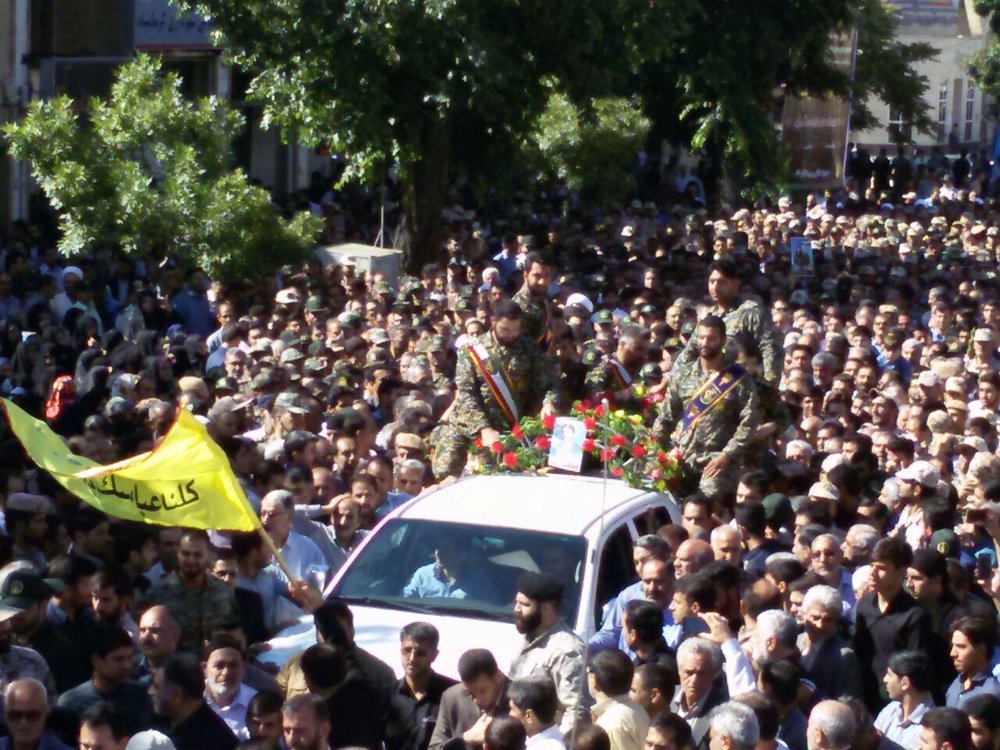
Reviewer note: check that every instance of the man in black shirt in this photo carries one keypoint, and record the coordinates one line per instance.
(178, 689)
(357, 709)
(413, 706)
(888, 619)
(28, 592)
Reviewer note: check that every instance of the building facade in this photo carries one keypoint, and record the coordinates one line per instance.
(959, 109)
(72, 47)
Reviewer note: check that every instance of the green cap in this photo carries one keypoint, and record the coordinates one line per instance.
(315, 304)
(946, 542)
(777, 508)
(382, 287)
(314, 364)
(590, 357)
(602, 318)
(291, 355)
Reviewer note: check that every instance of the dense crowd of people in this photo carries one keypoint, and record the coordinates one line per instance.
(826, 369)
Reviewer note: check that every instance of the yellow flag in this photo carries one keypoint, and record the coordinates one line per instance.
(185, 481)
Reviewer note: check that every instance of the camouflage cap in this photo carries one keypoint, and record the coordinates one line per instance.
(226, 383)
(290, 402)
(291, 355)
(261, 346)
(315, 304)
(651, 373)
(437, 344)
(314, 364)
(265, 379)
(382, 287)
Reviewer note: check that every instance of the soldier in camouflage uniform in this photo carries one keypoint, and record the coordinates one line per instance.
(534, 386)
(713, 446)
(616, 375)
(436, 349)
(741, 317)
(533, 300)
(198, 602)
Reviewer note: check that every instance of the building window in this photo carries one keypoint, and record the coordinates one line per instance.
(970, 105)
(898, 127)
(943, 111)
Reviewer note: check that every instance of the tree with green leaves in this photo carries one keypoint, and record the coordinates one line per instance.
(591, 149)
(985, 65)
(442, 87)
(150, 171)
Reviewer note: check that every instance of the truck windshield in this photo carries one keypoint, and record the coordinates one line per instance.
(460, 569)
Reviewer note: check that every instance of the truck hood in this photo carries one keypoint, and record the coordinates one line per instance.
(377, 631)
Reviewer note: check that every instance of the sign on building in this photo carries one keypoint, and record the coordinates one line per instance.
(159, 27)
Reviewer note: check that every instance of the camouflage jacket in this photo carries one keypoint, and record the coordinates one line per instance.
(531, 374)
(603, 377)
(752, 321)
(537, 323)
(725, 428)
(197, 610)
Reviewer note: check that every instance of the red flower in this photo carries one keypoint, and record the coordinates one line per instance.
(638, 451)
(510, 460)
(617, 471)
(478, 442)
(607, 454)
(542, 443)
(517, 432)
(618, 440)
(661, 457)
(580, 408)
(588, 444)
(590, 423)
(497, 447)
(549, 422)
(599, 411)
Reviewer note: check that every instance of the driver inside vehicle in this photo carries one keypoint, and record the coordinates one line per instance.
(453, 575)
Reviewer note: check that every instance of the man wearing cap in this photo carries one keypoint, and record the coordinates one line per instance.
(28, 594)
(710, 412)
(984, 352)
(917, 482)
(550, 646)
(500, 378)
(615, 375)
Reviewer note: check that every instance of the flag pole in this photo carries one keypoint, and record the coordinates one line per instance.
(277, 555)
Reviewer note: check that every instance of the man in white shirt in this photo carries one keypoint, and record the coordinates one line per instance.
(534, 702)
(301, 554)
(225, 692)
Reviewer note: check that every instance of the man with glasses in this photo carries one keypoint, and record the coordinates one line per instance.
(300, 552)
(26, 708)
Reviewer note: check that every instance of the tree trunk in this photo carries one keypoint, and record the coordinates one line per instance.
(424, 197)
